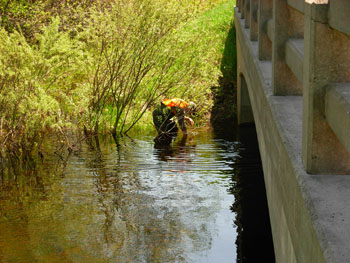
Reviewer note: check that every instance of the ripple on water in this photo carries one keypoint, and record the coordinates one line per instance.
(132, 203)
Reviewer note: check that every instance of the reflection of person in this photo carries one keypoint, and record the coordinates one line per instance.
(177, 153)
(166, 151)
(163, 116)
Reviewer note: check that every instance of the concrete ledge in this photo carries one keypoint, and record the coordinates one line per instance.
(295, 57)
(239, 5)
(337, 111)
(297, 4)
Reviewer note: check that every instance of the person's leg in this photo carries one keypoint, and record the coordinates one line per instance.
(171, 128)
(158, 118)
(166, 128)
(180, 115)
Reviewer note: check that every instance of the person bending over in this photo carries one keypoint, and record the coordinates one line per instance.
(163, 120)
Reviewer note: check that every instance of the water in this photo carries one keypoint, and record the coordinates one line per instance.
(196, 201)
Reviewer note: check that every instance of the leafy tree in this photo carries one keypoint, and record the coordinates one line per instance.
(137, 56)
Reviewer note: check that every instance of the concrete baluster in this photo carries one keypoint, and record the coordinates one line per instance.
(287, 24)
(247, 13)
(326, 61)
(254, 4)
(264, 15)
(240, 6)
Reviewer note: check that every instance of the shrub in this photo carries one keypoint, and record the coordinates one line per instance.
(103, 68)
(38, 90)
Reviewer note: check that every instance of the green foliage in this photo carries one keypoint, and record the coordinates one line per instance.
(139, 56)
(101, 65)
(37, 89)
(207, 34)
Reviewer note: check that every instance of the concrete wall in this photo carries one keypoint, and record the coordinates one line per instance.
(291, 73)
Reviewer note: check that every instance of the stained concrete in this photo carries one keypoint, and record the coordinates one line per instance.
(295, 57)
(337, 111)
(326, 61)
(339, 15)
(310, 214)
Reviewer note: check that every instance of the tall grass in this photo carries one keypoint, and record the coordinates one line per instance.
(211, 38)
(213, 50)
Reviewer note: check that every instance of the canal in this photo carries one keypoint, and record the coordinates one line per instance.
(201, 200)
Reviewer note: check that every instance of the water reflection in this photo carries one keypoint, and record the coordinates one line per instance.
(180, 151)
(126, 203)
(254, 239)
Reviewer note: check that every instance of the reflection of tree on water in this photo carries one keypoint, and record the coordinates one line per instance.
(26, 191)
(113, 205)
(139, 224)
(133, 228)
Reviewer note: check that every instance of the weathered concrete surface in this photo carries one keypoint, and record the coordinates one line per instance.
(264, 40)
(326, 61)
(310, 214)
(295, 57)
(297, 4)
(339, 17)
(245, 114)
(253, 20)
(288, 23)
(337, 111)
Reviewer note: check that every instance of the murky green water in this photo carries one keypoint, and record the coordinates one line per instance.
(131, 203)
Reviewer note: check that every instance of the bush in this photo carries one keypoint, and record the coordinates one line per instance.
(102, 68)
(38, 91)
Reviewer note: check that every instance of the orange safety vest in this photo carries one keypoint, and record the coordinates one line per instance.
(175, 102)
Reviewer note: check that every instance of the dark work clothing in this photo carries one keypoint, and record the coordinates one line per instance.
(165, 125)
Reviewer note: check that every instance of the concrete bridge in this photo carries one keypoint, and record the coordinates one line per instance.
(294, 83)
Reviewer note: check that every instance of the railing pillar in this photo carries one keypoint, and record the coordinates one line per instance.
(264, 15)
(254, 20)
(242, 7)
(326, 60)
(247, 13)
(287, 24)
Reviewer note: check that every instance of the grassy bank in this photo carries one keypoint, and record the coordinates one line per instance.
(214, 52)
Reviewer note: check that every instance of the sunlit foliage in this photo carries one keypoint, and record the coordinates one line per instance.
(96, 65)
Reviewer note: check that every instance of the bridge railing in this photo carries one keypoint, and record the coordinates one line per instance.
(308, 44)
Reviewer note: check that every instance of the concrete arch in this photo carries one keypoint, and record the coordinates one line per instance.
(244, 108)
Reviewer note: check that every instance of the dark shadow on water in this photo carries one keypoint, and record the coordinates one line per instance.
(254, 242)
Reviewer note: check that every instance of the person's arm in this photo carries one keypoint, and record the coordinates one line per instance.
(181, 118)
(180, 115)
(189, 120)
